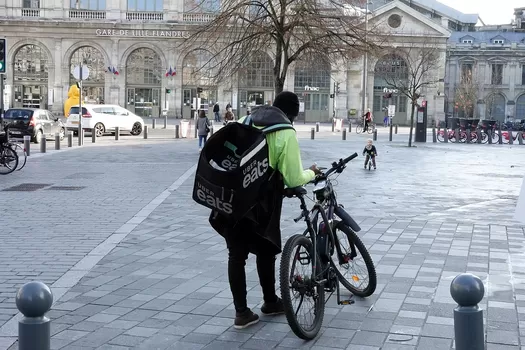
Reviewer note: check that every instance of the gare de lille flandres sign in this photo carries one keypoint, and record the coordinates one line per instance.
(141, 33)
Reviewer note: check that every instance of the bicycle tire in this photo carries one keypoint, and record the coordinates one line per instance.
(441, 136)
(372, 275)
(371, 129)
(358, 129)
(3, 151)
(484, 137)
(284, 278)
(20, 160)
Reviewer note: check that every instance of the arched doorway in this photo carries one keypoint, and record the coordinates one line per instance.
(256, 83)
(143, 82)
(93, 86)
(312, 85)
(389, 69)
(31, 65)
(198, 72)
(520, 107)
(495, 104)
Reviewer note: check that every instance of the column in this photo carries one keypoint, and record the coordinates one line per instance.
(115, 84)
(56, 94)
(113, 10)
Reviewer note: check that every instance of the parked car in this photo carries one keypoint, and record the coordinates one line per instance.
(104, 118)
(33, 122)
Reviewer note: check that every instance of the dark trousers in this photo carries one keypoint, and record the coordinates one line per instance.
(368, 158)
(238, 251)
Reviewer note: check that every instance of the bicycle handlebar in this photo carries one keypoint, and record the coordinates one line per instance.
(338, 166)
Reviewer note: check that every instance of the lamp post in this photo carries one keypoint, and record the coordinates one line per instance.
(365, 63)
(85, 59)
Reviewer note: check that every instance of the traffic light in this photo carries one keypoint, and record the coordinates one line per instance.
(168, 91)
(2, 56)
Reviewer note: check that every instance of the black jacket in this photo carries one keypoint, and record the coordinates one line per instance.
(371, 152)
(216, 108)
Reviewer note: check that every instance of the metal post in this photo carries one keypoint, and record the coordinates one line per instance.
(43, 144)
(478, 134)
(467, 290)
(333, 124)
(511, 137)
(375, 134)
(390, 136)
(489, 132)
(312, 134)
(27, 144)
(396, 129)
(500, 141)
(457, 135)
(344, 134)
(349, 127)
(93, 136)
(165, 122)
(2, 102)
(365, 66)
(33, 300)
(177, 131)
(145, 132)
(80, 114)
(434, 136)
(317, 127)
(57, 141)
(70, 139)
(445, 134)
(153, 123)
(117, 133)
(469, 136)
(520, 137)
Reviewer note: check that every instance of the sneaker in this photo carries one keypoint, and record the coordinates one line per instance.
(200, 150)
(275, 308)
(245, 319)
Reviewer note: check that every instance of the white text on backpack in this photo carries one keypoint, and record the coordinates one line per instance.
(205, 195)
(254, 171)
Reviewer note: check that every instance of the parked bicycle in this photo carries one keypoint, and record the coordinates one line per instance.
(505, 136)
(330, 229)
(8, 156)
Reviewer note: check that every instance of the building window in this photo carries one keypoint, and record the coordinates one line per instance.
(312, 73)
(499, 41)
(31, 4)
(467, 41)
(94, 5)
(466, 71)
(497, 74)
(146, 5)
(523, 75)
(259, 72)
(206, 6)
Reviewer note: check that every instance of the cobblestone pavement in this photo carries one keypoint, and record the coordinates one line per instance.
(427, 214)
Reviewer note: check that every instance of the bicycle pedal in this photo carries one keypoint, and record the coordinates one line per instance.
(346, 302)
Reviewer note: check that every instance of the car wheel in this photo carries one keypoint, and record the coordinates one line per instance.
(62, 133)
(38, 136)
(136, 129)
(99, 129)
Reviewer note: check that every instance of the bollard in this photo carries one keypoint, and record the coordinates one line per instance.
(70, 139)
(316, 127)
(57, 141)
(333, 124)
(117, 133)
(500, 141)
(467, 290)
(344, 134)
(349, 127)
(93, 136)
(489, 133)
(27, 144)
(375, 134)
(456, 134)
(312, 134)
(445, 135)
(390, 136)
(511, 138)
(153, 123)
(211, 130)
(478, 133)
(43, 144)
(81, 137)
(33, 300)
(396, 129)
(177, 131)
(520, 137)
(469, 138)
(434, 136)
(145, 132)
(165, 122)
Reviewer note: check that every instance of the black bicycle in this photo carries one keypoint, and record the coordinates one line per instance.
(330, 229)
(8, 156)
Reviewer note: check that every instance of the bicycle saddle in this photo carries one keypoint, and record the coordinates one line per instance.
(295, 192)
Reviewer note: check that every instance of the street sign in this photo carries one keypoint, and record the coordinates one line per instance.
(391, 110)
(520, 208)
(85, 73)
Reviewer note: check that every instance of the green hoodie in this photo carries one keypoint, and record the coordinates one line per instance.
(283, 147)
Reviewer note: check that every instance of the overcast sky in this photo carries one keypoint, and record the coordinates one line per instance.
(490, 11)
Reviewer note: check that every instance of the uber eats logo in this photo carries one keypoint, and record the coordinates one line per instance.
(254, 171)
(207, 196)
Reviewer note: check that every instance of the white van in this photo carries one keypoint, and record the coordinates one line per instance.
(103, 119)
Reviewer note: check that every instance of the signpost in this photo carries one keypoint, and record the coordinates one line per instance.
(80, 73)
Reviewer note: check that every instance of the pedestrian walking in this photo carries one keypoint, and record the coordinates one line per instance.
(203, 128)
(216, 111)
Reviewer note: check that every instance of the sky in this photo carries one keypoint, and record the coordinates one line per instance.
(490, 11)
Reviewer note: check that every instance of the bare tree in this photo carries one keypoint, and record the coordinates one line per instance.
(290, 30)
(409, 71)
(467, 92)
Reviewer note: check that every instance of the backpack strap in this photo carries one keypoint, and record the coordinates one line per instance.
(276, 127)
(248, 120)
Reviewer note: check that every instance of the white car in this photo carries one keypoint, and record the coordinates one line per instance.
(104, 118)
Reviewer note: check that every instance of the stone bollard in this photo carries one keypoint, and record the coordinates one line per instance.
(467, 290)
(349, 127)
(177, 131)
(312, 134)
(93, 136)
(81, 137)
(489, 133)
(500, 141)
(396, 129)
(165, 122)
(70, 139)
(511, 137)
(434, 136)
(27, 144)
(316, 127)
(57, 141)
(469, 136)
(456, 134)
(375, 134)
(390, 136)
(344, 134)
(520, 137)
(117, 133)
(145, 132)
(445, 134)
(478, 134)
(33, 300)
(153, 123)
(43, 144)
(333, 124)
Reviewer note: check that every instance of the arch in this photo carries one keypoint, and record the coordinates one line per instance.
(144, 67)
(31, 64)
(19, 44)
(258, 71)
(134, 47)
(95, 62)
(495, 104)
(199, 68)
(520, 107)
(313, 72)
(73, 48)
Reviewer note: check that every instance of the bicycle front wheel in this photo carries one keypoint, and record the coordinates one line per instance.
(357, 273)
(358, 129)
(22, 155)
(299, 290)
(8, 160)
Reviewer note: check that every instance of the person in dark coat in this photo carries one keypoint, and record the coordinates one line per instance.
(216, 111)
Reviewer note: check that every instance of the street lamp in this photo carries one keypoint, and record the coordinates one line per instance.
(85, 58)
(365, 63)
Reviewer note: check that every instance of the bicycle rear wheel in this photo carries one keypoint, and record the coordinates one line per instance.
(8, 160)
(22, 155)
(352, 273)
(371, 128)
(298, 253)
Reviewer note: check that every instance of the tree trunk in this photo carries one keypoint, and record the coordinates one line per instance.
(279, 85)
(411, 125)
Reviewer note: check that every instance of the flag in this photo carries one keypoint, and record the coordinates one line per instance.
(169, 72)
(109, 69)
(114, 71)
(174, 71)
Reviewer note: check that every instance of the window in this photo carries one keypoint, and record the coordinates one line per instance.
(523, 74)
(467, 41)
(497, 74)
(31, 4)
(94, 5)
(145, 5)
(466, 71)
(402, 104)
(499, 41)
(314, 73)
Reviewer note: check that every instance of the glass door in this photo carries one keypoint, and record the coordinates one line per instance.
(130, 103)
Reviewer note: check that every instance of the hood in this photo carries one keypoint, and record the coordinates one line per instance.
(268, 115)
(74, 92)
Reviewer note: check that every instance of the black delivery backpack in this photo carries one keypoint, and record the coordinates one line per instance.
(234, 168)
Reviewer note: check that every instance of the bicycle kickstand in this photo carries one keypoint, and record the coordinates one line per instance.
(348, 301)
